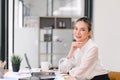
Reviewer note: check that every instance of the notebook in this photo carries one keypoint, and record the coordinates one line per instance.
(41, 75)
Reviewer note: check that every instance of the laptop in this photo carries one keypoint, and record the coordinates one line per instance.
(41, 75)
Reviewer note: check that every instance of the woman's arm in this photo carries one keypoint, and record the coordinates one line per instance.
(66, 65)
(74, 46)
(69, 63)
(88, 60)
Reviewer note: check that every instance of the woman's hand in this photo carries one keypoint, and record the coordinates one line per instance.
(74, 46)
(70, 78)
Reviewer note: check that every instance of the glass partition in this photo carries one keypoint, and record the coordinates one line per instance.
(71, 8)
(45, 13)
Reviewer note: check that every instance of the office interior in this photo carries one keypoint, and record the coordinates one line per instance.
(21, 31)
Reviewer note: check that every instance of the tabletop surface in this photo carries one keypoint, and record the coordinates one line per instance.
(9, 75)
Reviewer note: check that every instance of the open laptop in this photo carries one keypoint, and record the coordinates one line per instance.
(41, 75)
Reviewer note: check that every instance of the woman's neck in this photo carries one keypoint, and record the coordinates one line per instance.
(84, 42)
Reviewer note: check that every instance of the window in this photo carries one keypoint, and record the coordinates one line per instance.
(68, 8)
(21, 20)
(4, 30)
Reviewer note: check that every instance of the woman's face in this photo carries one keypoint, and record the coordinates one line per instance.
(81, 32)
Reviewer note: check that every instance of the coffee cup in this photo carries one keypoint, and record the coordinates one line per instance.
(45, 65)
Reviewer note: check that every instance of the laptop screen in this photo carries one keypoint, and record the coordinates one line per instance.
(27, 61)
(41, 75)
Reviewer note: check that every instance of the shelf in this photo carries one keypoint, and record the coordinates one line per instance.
(56, 22)
(49, 54)
(47, 22)
(57, 45)
(63, 23)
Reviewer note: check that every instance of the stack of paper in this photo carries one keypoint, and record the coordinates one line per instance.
(16, 75)
(9, 79)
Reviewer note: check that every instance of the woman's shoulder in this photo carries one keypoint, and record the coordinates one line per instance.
(91, 44)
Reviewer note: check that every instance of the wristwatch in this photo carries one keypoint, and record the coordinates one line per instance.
(68, 73)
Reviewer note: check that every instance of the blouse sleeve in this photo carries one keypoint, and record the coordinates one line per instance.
(87, 61)
(66, 65)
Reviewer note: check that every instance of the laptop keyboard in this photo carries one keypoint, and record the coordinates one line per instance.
(43, 73)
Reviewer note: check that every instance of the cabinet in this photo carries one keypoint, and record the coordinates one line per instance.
(55, 40)
(55, 22)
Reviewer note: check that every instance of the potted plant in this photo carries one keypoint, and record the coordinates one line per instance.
(16, 60)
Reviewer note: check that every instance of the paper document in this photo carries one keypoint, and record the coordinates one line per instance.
(9, 79)
(16, 75)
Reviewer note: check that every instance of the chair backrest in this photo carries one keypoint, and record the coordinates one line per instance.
(114, 75)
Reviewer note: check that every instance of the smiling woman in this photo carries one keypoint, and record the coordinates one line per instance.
(82, 61)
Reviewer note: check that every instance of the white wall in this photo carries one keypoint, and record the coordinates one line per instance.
(26, 41)
(107, 30)
(10, 31)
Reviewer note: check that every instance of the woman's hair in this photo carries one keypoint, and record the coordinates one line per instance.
(87, 21)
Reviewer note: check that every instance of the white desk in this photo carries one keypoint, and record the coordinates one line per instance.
(25, 75)
(9, 79)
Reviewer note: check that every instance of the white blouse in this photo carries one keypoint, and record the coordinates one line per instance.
(84, 65)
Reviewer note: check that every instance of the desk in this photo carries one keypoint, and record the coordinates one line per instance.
(27, 76)
(57, 77)
(5, 71)
(34, 78)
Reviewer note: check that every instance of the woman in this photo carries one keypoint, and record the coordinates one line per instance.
(82, 61)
